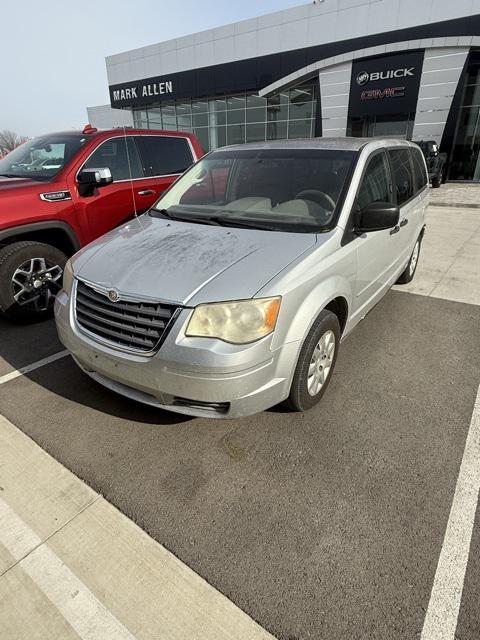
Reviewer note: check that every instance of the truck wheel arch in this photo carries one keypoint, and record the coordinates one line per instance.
(56, 233)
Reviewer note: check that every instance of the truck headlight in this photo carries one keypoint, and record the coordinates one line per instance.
(67, 277)
(238, 322)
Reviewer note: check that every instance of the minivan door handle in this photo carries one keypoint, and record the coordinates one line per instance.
(146, 192)
(404, 222)
(395, 230)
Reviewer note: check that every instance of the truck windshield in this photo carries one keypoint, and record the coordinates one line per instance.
(41, 158)
(295, 190)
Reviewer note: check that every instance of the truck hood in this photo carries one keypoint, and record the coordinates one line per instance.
(185, 263)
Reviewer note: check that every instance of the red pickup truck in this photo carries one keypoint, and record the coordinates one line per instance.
(60, 191)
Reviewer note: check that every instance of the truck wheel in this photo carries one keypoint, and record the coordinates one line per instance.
(30, 277)
(407, 275)
(316, 362)
(436, 182)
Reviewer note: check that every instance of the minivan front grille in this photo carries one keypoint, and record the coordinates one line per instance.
(136, 326)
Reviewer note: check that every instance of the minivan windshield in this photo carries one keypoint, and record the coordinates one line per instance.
(297, 190)
(41, 158)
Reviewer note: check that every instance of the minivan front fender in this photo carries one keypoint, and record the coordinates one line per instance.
(306, 305)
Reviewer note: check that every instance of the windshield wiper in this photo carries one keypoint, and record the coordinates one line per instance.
(195, 218)
(8, 175)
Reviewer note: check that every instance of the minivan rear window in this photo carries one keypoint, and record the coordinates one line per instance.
(421, 178)
(164, 155)
(293, 190)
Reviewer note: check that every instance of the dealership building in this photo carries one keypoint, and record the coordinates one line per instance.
(402, 68)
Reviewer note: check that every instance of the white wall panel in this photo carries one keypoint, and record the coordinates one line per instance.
(306, 25)
(441, 72)
(334, 92)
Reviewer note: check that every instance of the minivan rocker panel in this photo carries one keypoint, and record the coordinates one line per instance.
(251, 269)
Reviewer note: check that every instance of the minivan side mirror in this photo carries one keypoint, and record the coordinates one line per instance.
(89, 179)
(378, 216)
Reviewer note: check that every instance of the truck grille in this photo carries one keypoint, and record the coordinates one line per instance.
(137, 326)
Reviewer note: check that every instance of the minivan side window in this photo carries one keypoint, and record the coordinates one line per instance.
(163, 156)
(375, 185)
(402, 174)
(113, 154)
(421, 178)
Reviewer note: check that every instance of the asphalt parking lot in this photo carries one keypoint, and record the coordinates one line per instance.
(320, 525)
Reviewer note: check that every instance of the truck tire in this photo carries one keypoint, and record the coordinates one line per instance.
(30, 277)
(316, 362)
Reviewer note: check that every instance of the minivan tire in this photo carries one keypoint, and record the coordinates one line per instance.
(409, 272)
(302, 392)
(13, 260)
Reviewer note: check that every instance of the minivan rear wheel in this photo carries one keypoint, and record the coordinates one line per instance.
(30, 277)
(316, 362)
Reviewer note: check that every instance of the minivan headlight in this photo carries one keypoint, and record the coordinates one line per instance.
(67, 277)
(238, 322)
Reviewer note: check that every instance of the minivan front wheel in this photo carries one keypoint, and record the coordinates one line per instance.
(316, 362)
(30, 277)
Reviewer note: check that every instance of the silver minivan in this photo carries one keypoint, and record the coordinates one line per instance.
(233, 293)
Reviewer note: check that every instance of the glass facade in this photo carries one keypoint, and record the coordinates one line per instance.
(239, 118)
(465, 163)
(397, 125)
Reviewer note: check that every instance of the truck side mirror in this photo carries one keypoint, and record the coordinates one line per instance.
(90, 179)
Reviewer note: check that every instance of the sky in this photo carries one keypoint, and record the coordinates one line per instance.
(53, 52)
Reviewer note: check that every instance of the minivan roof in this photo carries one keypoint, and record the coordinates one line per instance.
(340, 144)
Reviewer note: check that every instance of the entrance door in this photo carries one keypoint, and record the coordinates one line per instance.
(396, 125)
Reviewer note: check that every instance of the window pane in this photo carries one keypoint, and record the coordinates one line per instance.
(200, 119)
(218, 137)
(256, 132)
(219, 104)
(299, 128)
(301, 94)
(256, 101)
(202, 135)
(113, 154)
(300, 110)
(184, 122)
(184, 108)
(256, 114)
(169, 119)
(201, 106)
(276, 130)
(375, 187)
(277, 107)
(155, 116)
(236, 134)
(236, 117)
(218, 117)
(164, 155)
(235, 102)
(402, 174)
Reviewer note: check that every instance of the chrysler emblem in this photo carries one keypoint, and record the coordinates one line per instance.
(113, 295)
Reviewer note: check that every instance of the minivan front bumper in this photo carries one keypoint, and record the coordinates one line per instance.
(193, 376)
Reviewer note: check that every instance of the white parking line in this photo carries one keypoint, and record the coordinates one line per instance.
(442, 613)
(78, 605)
(31, 367)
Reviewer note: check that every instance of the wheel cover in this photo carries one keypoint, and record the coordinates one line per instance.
(414, 258)
(36, 282)
(321, 362)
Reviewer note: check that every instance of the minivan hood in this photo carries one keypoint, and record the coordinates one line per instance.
(187, 263)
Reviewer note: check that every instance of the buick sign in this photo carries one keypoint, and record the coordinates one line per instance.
(363, 77)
